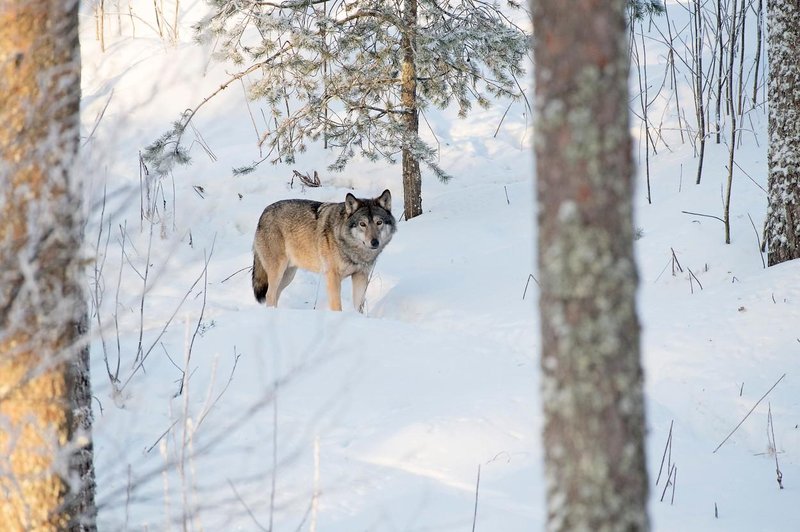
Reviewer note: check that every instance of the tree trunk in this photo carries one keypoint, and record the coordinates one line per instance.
(756, 69)
(698, 79)
(46, 478)
(591, 373)
(721, 50)
(783, 213)
(412, 179)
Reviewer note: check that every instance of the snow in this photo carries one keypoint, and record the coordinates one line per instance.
(401, 407)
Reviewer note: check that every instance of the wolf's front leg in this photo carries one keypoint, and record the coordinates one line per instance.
(360, 280)
(334, 290)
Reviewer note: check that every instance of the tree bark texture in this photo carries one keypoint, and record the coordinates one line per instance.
(46, 478)
(412, 178)
(592, 383)
(783, 88)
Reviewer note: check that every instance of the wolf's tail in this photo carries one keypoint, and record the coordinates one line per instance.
(260, 283)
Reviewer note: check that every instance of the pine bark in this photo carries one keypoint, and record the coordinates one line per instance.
(412, 178)
(592, 383)
(783, 93)
(46, 478)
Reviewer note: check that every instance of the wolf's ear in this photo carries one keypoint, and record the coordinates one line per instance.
(385, 200)
(351, 204)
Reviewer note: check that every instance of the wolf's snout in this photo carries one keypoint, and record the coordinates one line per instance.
(374, 243)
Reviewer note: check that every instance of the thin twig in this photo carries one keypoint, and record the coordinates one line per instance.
(475, 511)
(274, 456)
(502, 119)
(669, 482)
(199, 320)
(98, 119)
(748, 414)
(737, 165)
(704, 215)
(208, 408)
(167, 324)
(147, 451)
(530, 276)
(247, 508)
(99, 291)
(123, 233)
(675, 262)
(668, 446)
(758, 239)
(315, 496)
(674, 482)
(144, 293)
(128, 498)
(189, 113)
(691, 274)
(670, 261)
(774, 444)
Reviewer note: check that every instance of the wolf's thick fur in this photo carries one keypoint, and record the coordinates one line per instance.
(337, 239)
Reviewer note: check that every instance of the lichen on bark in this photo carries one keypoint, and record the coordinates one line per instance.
(591, 372)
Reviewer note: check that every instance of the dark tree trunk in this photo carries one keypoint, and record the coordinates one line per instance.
(45, 408)
(591, 373)
(783, 213)
(412, 178)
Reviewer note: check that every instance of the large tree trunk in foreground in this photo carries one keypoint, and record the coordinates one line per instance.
(412, 180)
(46, 479)
(591, 373)
(783, 214)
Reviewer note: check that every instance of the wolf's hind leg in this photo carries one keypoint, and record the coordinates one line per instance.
(288, 275)
(277, 268)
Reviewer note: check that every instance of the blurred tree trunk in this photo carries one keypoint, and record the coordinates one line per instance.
(591, 373)
(46, 476)
(783, 213)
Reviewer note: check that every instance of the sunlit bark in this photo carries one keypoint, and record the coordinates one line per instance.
(46, 480)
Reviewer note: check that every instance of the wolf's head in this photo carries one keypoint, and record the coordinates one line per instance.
(370, 221)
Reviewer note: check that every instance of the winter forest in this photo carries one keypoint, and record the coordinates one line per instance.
(587, 318)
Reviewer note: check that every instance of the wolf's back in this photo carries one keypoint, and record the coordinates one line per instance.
(293, 221)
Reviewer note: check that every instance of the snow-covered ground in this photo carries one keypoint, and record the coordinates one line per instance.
(247, 418)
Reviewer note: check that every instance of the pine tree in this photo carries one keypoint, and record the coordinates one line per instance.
(357, 74)
(783, 213)
(592, 384)
(638, 9)
(46, 475)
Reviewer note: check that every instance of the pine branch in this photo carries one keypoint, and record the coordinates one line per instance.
(188, 116)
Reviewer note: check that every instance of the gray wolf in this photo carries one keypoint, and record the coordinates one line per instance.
(337, 239)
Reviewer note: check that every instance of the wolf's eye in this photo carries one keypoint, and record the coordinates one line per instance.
(362, 224)
(379, 223)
